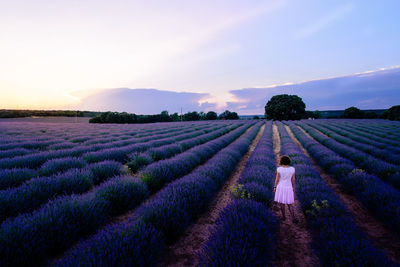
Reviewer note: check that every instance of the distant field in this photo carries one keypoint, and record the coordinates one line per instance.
(141, 194)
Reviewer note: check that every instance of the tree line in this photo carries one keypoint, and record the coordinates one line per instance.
(21, 113)
(292, 107)
(164, 116)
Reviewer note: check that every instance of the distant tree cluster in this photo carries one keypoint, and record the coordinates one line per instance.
(15, 113)
(392, 113)
(227, 115)
(292, 107)
(164, 116)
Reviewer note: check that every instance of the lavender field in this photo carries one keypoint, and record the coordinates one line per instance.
(198, 193)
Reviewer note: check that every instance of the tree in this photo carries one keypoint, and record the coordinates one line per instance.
(191, 116)
(308, 114)
(227, 115)
(317, 114)
(255, 117)
(285, 107)
(175, 117)
(211, 115)
(353, 113)
(392, 113)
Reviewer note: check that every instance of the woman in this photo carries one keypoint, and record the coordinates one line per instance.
(284, 186)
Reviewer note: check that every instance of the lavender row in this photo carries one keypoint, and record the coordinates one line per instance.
(162, 172)
(144, 235)
(145, 137)
(382, 169)
(32, 194)
(31, 144)
(384, 154)
(38, 191)
(104, 144)
(261, 169)
(43, 142)
(79, 150)
(374, 128)
(246, 230)
(14, 177)
(80, 227)
(15, 152)
(34, 161)
(122, 154)
(138, 160)
(363, 137)
(368, 138)
(336, 238)
(377, 196)
(31, 239)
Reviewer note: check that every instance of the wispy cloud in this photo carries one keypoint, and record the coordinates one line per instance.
(324, 21)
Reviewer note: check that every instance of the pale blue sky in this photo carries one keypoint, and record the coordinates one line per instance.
(49, 49)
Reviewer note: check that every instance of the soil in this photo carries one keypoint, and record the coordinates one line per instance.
(376, 231)
(185, 250)
(294, 240)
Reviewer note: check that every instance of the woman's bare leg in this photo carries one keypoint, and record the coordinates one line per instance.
(283, 211)
(292, 212)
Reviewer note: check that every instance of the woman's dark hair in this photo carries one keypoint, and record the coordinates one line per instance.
(285, 160)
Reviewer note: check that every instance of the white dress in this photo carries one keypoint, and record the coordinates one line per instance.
(284, 189)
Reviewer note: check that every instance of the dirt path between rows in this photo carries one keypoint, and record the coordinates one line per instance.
(294, 240)
(376, 231)
(184, 252)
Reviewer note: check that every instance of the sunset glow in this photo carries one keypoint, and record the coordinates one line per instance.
(49, 50)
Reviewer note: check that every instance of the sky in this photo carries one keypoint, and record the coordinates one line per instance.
(56, 54)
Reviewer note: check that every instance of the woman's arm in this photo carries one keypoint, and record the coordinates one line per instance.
(278, 176)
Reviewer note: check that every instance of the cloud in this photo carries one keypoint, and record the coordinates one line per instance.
(144, 101)
(324, 21)
(367, 90)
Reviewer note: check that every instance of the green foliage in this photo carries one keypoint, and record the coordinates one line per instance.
(312, 114)
(239, 192)
(353, 113)
(227, 115)
(14, 113)
(357, 171)
(175, 117)
(191, 116)
(211, 115)
(164, 116)
(317, 209)
(392, 113)
(137, 162)
(317, 114)
(285, 107)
